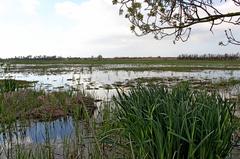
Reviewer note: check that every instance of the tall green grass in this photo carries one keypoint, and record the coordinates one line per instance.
(158, 123)
(8, 85)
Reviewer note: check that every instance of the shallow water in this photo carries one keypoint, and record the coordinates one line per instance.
(39, 132)
(95, 78)
(92, 79)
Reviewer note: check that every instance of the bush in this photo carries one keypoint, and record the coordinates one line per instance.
(181, 123)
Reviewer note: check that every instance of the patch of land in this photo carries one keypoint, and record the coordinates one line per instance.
(160, 61)
(30, 104)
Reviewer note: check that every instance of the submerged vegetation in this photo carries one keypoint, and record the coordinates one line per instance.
(203, 84)
(227, 83)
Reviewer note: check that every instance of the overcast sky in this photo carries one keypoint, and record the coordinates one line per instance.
(88, 28)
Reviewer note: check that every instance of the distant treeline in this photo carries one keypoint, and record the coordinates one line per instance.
(140, 57)
(40, 57)
(100, 57)
(45, 57)
(209, 57)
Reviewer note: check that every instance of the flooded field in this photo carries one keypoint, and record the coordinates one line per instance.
(101, 82)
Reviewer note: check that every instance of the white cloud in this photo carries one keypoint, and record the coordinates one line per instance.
(29, 6)
(18, 7)
(85, 29)
(94, 18)
(3, 7)
(6, 7)
(97, 27)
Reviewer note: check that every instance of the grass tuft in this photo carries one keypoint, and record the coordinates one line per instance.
(155, 122)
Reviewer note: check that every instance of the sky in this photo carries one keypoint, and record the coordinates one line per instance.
(85, 28)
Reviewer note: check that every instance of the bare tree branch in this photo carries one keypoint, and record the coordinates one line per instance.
(231, 38)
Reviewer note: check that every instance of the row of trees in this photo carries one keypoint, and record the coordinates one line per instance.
(100, 57)
(139, 57)
(40, 57)
(209, 56)
(45, 57)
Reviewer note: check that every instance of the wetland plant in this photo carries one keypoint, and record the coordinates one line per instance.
(158, 123)
(38, 105)
(8, 85)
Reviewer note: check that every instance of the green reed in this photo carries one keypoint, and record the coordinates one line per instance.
(8, 85)
(158, 123)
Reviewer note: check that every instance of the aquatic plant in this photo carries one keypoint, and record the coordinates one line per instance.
(155, 122)
(8, 85)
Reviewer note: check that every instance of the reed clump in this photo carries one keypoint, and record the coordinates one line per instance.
(11, 85)
(181, 123)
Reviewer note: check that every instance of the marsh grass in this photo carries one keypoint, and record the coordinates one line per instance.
(38, 105)
(155, 122)
(8, 85)
(162, 61)
(11, 85)
(144, 122)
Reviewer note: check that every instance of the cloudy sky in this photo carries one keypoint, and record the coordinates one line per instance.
(88, 28)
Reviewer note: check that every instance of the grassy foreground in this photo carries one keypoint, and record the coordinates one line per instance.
(151, 122)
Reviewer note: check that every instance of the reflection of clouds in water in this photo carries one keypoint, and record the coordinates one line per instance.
(40, 132)
(54, 133)
(93, 78)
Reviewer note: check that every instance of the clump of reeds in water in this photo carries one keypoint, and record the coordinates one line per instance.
(8, 85)
(158, 123)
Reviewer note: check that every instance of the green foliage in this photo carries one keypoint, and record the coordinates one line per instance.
(8, 85)
(11, 85)
(156, 122)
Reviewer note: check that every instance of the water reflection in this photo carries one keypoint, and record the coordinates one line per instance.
(41, 132)
(93, 79)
